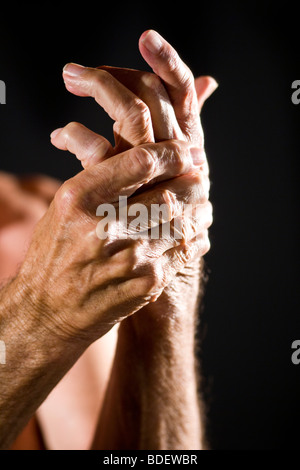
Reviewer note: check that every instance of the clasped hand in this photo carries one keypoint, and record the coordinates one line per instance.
(87, 285)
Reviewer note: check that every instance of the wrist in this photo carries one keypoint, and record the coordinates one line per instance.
(175, 312)
(154, 343)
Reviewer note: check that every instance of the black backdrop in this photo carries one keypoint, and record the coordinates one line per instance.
(251, 314)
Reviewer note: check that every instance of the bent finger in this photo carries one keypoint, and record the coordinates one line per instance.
(90, 148)
(160, 273)
(131, 114)
(131, 170)
(150, 89)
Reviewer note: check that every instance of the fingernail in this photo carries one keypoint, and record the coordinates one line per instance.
(197, 156)
(54, 133)
(73, 70)
(152, 41)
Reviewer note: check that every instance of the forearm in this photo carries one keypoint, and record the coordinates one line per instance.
(35, 361)
(152, 400)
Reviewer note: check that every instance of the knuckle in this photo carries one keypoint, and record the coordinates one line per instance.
(184, 254)
(96, 79)
(142, 110)
(153, 82)
(131, 260)
(168, 198)
(178, 158)
(177, 66)
(190, 228)
(142, 163)
(66, 197)
(99, 77)
(184, 228)
(172, 59)
(139, 105)
(97, 147)
(188, 78)
(200, 185)
(139, 113)
(71, 129)
(197, 178)
(155, 277)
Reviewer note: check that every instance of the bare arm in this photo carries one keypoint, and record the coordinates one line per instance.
(72, 289)
(35, 360)
(152, 401)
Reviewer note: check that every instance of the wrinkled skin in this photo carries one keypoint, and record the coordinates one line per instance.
(113, 280)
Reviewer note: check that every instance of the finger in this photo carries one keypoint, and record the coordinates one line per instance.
(90, 148)
(178, 192)
(129, 171)
(159, 274)
(150, 89)
(162, 236)
(178, 80)
(176, 258)
(137, 252)
(192, 223)
(177, 77)
(204, 86)
(142, 278)
(174, 261)
(177, 209)
(132, 116)
(161, 216)
(139, 220)
(163, 213)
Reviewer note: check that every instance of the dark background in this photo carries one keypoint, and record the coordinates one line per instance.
(251, 314)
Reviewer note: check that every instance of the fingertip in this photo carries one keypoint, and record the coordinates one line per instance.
(74, 79)
(72, 70)
(143, 35)
(213, 84)
(152, 41)
(55, 133)
(205, 87)
(206, 83)
(57, 140)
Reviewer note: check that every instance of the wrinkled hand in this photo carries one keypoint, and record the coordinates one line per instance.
(81, 286)
(146, 108)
